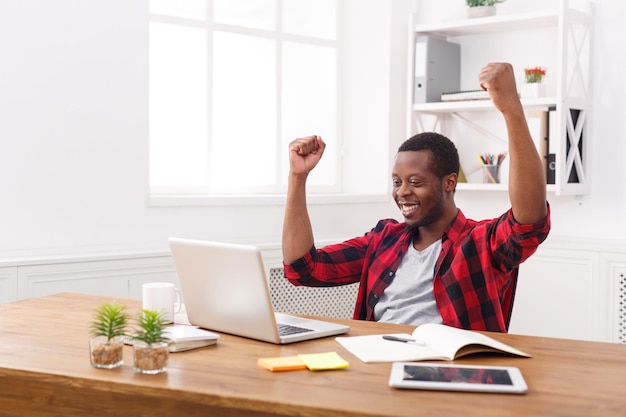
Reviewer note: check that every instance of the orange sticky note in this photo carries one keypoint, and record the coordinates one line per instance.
(286, 363)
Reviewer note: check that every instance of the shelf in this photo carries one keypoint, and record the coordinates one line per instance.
(568, 33)
(477, 186)
(491, 24)
(480, 105)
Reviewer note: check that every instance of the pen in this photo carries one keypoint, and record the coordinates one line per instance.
(404, 340)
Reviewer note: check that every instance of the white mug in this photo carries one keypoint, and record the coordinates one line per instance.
(163, 297)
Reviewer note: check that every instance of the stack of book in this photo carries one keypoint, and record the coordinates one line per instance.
(183, 337)
(465, 95)
(189, 337)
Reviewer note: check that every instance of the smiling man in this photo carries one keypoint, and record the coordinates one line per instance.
(437, 266)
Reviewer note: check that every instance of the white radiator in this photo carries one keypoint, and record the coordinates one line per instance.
(337, 302)
(620, 295)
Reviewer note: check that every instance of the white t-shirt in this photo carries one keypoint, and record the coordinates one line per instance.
(409, 299)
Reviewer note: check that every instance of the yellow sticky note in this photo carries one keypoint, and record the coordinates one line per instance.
(323, 361)
(285, 363)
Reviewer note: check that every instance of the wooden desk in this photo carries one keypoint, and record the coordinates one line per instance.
(45, 370)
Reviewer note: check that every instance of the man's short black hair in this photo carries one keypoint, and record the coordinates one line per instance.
(444, 158)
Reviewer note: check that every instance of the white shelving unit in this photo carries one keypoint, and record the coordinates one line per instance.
(562, 36)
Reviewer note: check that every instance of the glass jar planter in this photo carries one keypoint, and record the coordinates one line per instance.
(150, 359)
(106, 354)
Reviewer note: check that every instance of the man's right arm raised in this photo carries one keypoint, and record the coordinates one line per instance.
(297, 240)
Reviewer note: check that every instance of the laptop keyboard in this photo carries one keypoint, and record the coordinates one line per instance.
(287, 329)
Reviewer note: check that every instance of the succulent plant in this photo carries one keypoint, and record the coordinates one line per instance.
(151, 327)
(110, 320)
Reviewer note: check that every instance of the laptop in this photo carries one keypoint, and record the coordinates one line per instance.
(225, 289)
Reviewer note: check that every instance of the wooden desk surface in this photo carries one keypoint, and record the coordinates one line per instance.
(45, 370)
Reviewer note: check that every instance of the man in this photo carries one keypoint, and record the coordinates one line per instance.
(437, 266)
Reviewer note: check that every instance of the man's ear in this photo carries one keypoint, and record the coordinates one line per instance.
(449, 182)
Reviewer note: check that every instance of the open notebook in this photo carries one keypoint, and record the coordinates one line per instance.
(225, 289)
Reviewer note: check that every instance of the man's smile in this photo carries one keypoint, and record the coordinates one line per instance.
(408, 209)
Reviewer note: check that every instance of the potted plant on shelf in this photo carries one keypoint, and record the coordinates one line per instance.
(482, 8)
(150, 346)
(534, 74)
(107, 330)
(534, 87)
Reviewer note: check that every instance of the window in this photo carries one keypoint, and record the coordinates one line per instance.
(232, 82)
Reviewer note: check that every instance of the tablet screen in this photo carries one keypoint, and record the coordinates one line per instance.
(457, 374)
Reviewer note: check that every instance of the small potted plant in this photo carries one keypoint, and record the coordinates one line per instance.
(534, 74)
(107, 330)
(150, 346)
(534, 86)
(482, 8)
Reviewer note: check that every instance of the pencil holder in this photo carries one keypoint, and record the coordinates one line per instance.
(491, 174)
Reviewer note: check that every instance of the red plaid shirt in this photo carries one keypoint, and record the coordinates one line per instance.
(475, 274)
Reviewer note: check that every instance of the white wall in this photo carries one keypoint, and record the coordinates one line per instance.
(74, 133)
